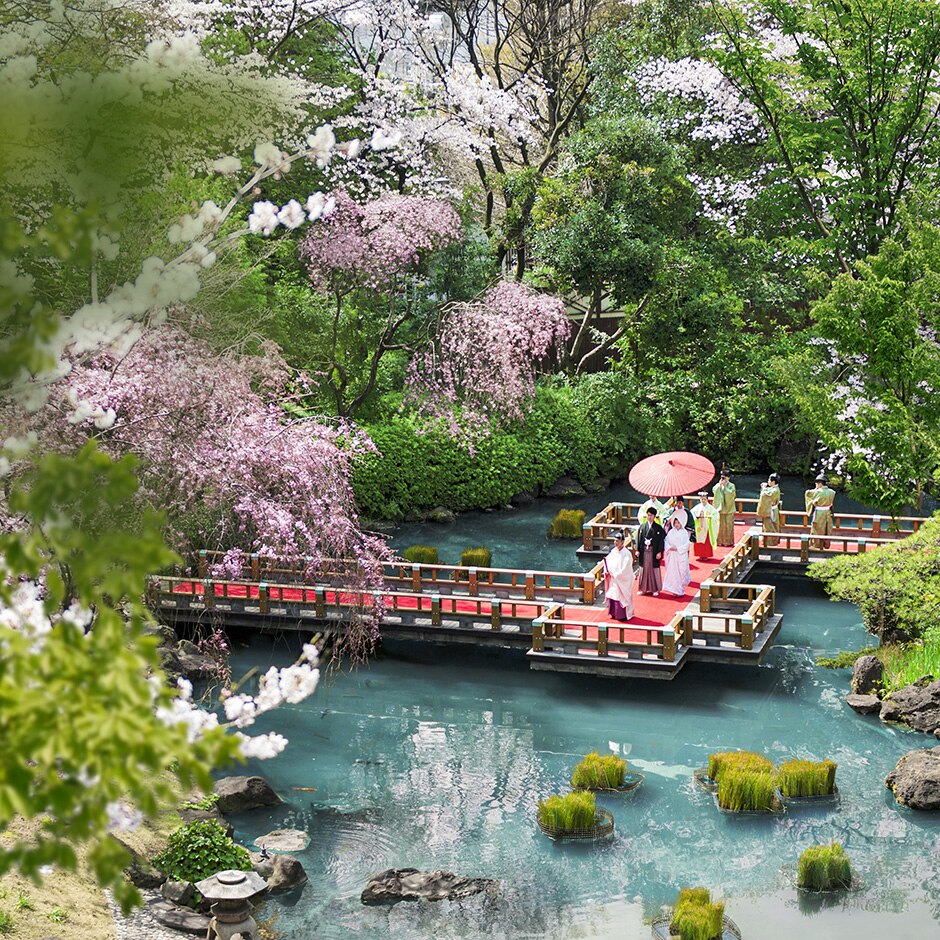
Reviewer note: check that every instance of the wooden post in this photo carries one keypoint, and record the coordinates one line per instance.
(263, 598)
(530, 585)
(687, 630)
(804, 548)
(472, 578)
(416, 578)
(496, 614)
(875, 526)
(537, 642)
(602, 641)
(255, 567)
(705, 597)
(588, 532)
(202, 564)
(747, 632)
(862, 544)
(587, 589)
(618, 514)
(669, 644)
(754, 546)
(208, 594)
(319, 602)
(436, 610)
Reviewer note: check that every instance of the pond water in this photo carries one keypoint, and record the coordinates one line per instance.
(437, 759)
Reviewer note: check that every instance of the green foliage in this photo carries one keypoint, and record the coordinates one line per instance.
(824, 868)
(569, 812)
(201, 849)
(421, 554)
(7, 924)
(78, 703)
(599, 772)
(905, 663)
(24, 903)
(58, 915)
(206, 803)
(895, 586)
(476, 558)
(696, 917)
(567, 524)
(748, 761)
(806, 778)
(845, 659)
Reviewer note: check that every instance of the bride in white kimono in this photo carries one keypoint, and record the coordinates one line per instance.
(619, 580)
(677, 574)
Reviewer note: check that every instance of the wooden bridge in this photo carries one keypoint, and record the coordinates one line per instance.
(557, 618)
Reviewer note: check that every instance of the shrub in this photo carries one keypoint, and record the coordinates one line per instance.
(567, 524)
(206, 803)
(696, 917)
(477, 558)
(597, 772)
(421, 554)
(737, 760)
(742, 790)
(824, 868)
(201, 849)
(806, 778)
(568, 812)
(6, 922)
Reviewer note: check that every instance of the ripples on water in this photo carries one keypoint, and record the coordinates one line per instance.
(440, 764)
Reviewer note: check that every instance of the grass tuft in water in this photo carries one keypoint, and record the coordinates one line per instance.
(737, 760)
(824, 868)
(476, 558)
(746, 791)
(567, 524)
(421, 554)
(696, 917)
(599, 772)
(806, 778)
(846, 658)
(569, 812)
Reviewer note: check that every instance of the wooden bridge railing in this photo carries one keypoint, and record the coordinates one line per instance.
(574, 587)
(805, 542)
(598, 531)
(660, 641)
(322, 603)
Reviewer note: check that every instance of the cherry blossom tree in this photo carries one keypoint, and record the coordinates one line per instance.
(480, 371)
(369, 251)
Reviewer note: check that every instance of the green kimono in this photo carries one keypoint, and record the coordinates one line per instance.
(657, 505)
(768, 510)
(819, 509)
(723, 500)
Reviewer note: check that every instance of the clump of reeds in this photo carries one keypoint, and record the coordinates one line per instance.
(806, 778)
(824, 868)
(597, 772)
(739, 761)
(569, 812)
(567, 524)
(747, 791)
(696, 917)
(421, 554)
(477, 558)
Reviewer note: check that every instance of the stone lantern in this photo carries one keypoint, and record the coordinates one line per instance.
(229, 891)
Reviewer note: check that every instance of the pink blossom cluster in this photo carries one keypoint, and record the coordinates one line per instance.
(367, 245)
(484, 362)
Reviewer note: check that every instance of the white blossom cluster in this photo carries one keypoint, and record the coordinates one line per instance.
(24, 611)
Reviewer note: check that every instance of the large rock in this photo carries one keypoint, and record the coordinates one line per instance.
(140, 872)
(281, 872)
(442, 516)
(409, 884)
(917, 705)
(523, 499)
(182, 919)
(598, 485)
(238, 794)
(915, 781)
(284, 840)
(867, 675)
(864, 704)
(179, 661)
(565, 488)
(178, 892)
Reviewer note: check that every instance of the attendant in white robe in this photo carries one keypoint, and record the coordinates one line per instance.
(677, 559)
(619, 580)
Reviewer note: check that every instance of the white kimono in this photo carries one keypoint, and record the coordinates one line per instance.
(619, 583)
(677, 574)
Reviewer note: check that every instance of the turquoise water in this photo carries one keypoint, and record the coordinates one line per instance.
(437, 760)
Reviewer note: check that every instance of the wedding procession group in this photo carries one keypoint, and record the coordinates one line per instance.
(667, 533)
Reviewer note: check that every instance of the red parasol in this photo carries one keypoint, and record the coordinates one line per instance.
(674, 474)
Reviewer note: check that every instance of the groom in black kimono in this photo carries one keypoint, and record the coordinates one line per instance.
(650, 545)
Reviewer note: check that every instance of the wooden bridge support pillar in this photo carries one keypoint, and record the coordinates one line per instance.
(747, 632)
(875, 526)
(705, 597)
(669, 644)
(530, 585)
(255, 567)
(436, 610)
(687, 630)
(862, 545)
(537, 642)
(264, 600)
(754, 546)
(472, 580)
(496, 618)
(202, 567)
(319, 600)
(804, 548)
(208, 594)
(588, 538)
(587, 589)
(602, 641)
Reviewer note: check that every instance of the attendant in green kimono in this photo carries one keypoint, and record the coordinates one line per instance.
(768, 507)
(653, 502)
(819, 510)
(724, 495)
(706, 526)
